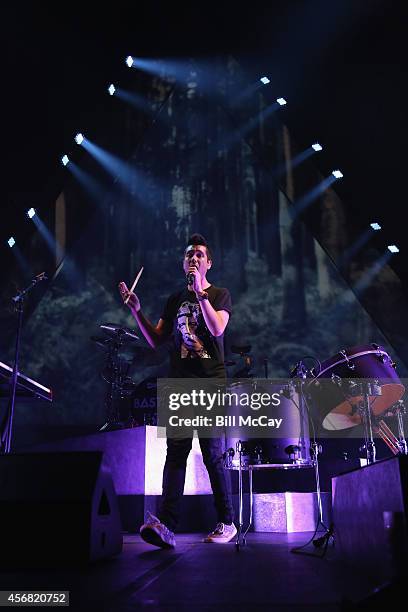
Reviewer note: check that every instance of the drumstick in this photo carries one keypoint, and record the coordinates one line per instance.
(134, 284)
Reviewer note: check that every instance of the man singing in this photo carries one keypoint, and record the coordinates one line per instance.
(195, 318)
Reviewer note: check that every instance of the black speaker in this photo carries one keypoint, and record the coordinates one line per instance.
(370, 510)
(57, 509)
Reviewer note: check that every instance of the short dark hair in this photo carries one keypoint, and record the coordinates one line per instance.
(199, 239)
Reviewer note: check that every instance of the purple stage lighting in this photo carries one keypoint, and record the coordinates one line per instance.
(79, 138)
(65, 160)
(31, 213)
(129, 61)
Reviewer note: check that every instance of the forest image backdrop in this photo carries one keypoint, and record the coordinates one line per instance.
(206, 166)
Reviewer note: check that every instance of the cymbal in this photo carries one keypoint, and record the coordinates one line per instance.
(241, 349)
(112, 329)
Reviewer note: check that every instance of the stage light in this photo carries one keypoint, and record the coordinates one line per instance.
(31, 213)
(79, 138)
(317, 147)
(129, 61)
(337, 174)
(393, 248)
(111, 89)
(375, 226)
(264, 80)
(11, 242)
(65, 160)
(281, 101)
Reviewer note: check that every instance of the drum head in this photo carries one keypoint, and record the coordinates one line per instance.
(332, 393)
(293, 433)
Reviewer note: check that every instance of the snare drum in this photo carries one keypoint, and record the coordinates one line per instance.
(294, 429)
(336, 406)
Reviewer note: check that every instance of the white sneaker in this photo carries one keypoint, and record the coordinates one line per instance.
(154, 532)
(222, 534)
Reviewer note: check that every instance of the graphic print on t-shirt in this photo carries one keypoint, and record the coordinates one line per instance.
(188, 316)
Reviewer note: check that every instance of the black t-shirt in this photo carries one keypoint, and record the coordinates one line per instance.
(183, 312)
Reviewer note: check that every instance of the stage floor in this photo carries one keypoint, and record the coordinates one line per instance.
(263, 575)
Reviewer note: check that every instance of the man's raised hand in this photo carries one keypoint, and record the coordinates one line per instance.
(129, 298)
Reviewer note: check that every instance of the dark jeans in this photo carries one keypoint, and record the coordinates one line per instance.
(174, 476)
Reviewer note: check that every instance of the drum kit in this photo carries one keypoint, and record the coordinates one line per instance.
(127, 403)
(358, 386)
(293, 444)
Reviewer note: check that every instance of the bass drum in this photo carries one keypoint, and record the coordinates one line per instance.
(288, 445)
(144, 409)
(331, 393)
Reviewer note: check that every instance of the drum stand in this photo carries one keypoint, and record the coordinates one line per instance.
(241, 536)
(400, 411)
(322, 541)
(316, 449)
(115, 383)
(300, 373)
(368, 389)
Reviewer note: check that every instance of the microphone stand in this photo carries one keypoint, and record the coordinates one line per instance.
(19, 307)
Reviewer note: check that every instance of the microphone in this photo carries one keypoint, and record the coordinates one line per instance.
(20, 295)
(190, 278)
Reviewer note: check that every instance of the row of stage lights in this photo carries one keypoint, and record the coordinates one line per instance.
(391, 247)
(31, 212)
(317, 147)
(79, 138)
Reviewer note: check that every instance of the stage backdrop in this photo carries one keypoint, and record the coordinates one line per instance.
(208, 161)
